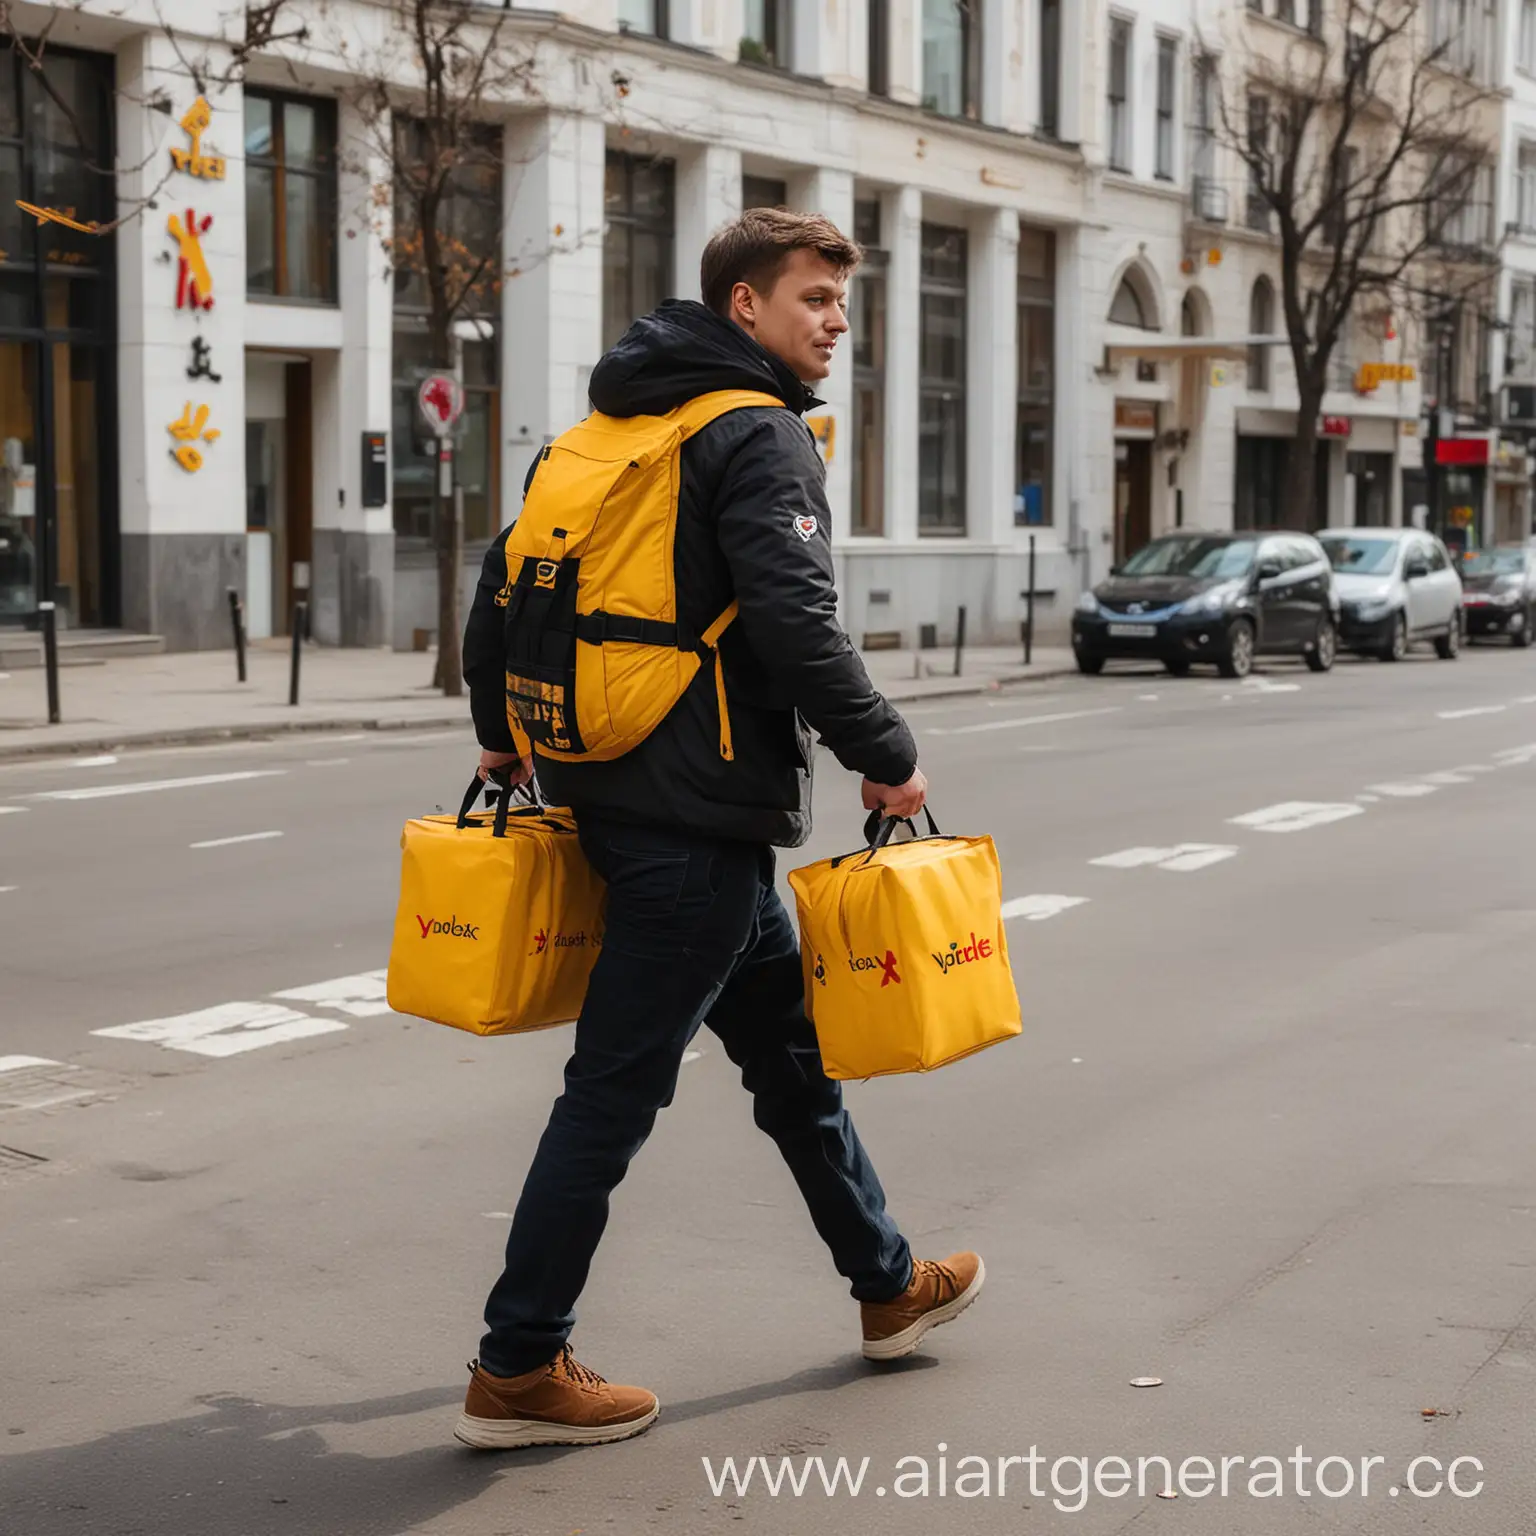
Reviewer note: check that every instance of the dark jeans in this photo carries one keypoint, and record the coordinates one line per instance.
(696, 935)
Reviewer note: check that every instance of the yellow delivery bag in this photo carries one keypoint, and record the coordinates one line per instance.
(500, 918)
(906, 962)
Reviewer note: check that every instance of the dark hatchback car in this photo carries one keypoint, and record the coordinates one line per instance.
(1221, 598)
(1499, 593)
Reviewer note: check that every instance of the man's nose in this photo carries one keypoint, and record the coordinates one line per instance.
(839, 322)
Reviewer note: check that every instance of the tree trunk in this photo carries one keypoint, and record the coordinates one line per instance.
(1298, 506)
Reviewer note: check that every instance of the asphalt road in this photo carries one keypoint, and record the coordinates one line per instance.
(1267, 1137)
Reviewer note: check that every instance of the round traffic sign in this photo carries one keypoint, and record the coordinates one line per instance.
(440, 398)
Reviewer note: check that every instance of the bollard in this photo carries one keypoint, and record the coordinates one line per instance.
(237, 620)
(959, 638)
(49, 619)
(1029, 613)
(300, 619)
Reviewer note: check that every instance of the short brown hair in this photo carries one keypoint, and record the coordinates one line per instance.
(754, 248)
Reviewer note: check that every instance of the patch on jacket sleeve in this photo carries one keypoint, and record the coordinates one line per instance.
(804, 525)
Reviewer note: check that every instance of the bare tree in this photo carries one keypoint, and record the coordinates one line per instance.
(434, 105)
(1367, 156)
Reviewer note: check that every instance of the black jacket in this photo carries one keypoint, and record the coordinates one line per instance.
(752, 524)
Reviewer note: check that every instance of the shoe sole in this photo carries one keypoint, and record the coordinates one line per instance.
(905, 1343)
(512, 1434)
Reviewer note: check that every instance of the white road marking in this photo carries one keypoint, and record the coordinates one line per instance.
(1265, 685)
(363, 996)
(16, 1063)
(151, 786)
(1295, 816)
(229, 1029)
(691, 1056)
(1448, 776)
(1184, 859)
(1147, 698)
(414, 739)
(1467, 714)
(1368, 799)
(245, 837)
(1007, 725)
(1404, 789)
(353, 736)
(497, 1215)
(1526, 698)
(106, 760)
(5, 888)
(13, 810)
(327, 762)
(1035, 909)
(1515, 757)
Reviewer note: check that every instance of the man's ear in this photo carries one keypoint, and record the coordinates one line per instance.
(744, 306)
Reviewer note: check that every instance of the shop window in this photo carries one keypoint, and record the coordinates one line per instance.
(867, 325)
(638, 242)
(1034, 417)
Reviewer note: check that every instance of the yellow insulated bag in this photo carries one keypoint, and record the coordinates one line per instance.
(596, 655)
(906, 962)
(500, 918)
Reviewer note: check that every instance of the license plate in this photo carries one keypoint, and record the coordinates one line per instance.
(1133, 631)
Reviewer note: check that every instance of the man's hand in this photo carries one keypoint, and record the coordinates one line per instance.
(517, 769)
(898, 800)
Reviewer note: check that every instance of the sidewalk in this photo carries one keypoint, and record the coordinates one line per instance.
(194, 697)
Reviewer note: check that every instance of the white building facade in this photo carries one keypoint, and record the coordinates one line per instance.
(1050, 333)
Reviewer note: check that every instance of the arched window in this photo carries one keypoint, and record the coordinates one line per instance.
(1129, 309)
(1261, 322)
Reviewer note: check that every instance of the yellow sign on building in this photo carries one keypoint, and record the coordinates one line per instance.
(195, 124)
(188, 431)
(1370, 375)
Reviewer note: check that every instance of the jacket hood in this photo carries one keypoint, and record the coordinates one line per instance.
(682, 350)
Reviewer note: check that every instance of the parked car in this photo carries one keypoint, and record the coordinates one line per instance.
(1396, 586)
(1222, 598)
(1499, 593)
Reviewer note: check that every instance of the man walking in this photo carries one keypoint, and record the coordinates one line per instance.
(683, 836)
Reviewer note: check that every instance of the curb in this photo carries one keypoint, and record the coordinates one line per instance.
(204, 735)
(191, 736)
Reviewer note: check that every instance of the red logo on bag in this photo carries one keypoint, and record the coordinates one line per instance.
(977, 949)
(540, 939)
(875, 963)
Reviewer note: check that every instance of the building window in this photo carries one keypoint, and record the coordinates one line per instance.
(1461, 32)
(637, 243)
(767, 33)
(941, 382)
(1261, 322)
(290, 197)
(1167, 77)
(880, 47)
(764, 192)
(867, 324)
(1520, 359)
(645, 16)
(1050, 68)
(1258, 150)
(1119, 94)
(1037, 378)
(951, 57)
(1527, 43)
(1462, 217)
(469, 236)
(1525, 186)
(1131, 305)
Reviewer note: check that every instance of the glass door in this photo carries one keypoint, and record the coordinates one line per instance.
(18, 479)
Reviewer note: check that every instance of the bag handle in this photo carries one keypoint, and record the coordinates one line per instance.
(498, 792)
(879, 829)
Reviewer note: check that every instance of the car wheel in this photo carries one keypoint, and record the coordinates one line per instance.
(1522, 636)
(1238, 662)
(1448, 645)
(1177, 668)
(1397, 646)
(1089, 666)
(1325, 648)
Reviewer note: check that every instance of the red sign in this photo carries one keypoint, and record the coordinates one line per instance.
(1334, 426)
(1463, 450)
(441, 400)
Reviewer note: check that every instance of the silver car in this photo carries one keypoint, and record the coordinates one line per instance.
(1396, 586)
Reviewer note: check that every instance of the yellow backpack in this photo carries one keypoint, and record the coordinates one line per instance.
(596, 655)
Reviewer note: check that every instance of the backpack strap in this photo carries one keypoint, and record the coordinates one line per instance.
(698, 413)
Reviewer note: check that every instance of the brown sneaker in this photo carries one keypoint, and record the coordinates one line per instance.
(938, 1292)
(562, 1403)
